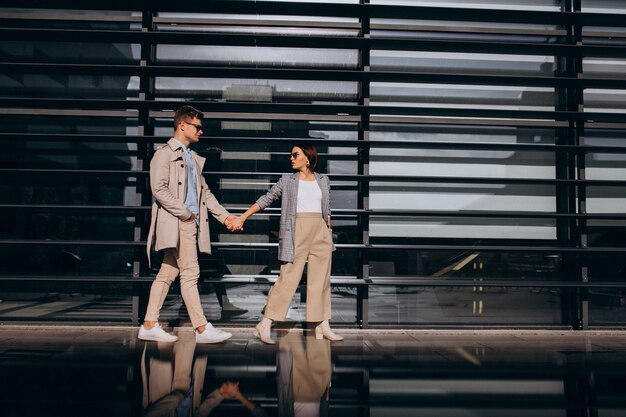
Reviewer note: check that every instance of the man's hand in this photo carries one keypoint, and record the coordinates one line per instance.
(233, 224)
(191, 219)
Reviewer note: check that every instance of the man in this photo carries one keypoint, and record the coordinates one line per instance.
(180, 226)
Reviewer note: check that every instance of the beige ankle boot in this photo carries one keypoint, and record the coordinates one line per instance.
(263, 330)
(323, 331)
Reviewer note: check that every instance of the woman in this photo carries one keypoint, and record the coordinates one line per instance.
(305, 237)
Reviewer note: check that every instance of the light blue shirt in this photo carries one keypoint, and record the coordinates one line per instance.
(191, 195)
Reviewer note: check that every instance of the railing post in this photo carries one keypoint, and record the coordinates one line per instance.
(144, 153)
(363, 169)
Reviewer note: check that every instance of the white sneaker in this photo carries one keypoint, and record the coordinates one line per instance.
(156, 334)
(212, 335)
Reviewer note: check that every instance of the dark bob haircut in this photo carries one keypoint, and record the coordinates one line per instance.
(310, 152)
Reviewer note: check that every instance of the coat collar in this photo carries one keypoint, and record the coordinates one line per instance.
(177, 149)
(174, 144)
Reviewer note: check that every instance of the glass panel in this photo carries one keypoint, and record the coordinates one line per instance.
(258, 90)
(258, 24)
(473, 265)
(70, 52)
(607, 306)
(546, 5)
(244, 55)
(604, 67)
(605, 199)
(462, 63)
(466, 29)
(603, 35)
(71, 19)
(605, 101)
(445, 133)
(603, 6)
(453, 227)
(462, 197)
(67, 226)
(57, 303)
(459, 197)
(50, 258)
(69, 86)
(464, 305)
(462, 96)
(604, 267)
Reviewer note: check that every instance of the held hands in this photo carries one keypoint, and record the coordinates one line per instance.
(234, 224)
(238, 222)
(229, 389)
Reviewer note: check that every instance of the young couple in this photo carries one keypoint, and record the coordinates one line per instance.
(180, 227)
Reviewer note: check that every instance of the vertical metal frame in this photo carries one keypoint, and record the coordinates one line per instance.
(568, 231)
(578, 105)
(362, 314)
(144, 154)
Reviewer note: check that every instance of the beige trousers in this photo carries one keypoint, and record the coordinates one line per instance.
(183, 260)
(313, 246)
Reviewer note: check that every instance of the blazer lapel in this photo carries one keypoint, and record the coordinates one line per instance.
(293, 198)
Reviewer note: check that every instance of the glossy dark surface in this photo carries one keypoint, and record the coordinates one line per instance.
(67, 371)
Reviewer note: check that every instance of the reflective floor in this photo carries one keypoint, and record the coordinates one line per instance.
(67, 371)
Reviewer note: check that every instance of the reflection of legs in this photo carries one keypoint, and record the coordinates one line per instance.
(318, 276)
(161, 285)
(222, 298)
(220, 292)
(311, 368)
(319, 364)
(187, 260)
(197, 379)
(183, 359)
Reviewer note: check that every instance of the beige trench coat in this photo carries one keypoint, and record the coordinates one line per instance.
(168, 181)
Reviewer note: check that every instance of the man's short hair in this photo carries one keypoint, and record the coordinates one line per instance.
(185, 114)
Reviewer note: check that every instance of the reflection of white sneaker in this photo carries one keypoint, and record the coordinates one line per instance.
(212, 335)
(156, 334)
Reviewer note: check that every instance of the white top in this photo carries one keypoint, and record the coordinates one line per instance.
(309, 197)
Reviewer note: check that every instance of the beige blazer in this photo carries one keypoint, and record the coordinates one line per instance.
(168, 181)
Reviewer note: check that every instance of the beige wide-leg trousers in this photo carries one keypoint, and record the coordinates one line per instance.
(313, 246)
(183, 260)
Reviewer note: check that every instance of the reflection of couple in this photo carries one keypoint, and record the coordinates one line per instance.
(173, 380)
(180, 227)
